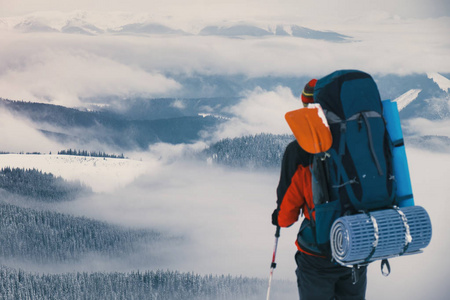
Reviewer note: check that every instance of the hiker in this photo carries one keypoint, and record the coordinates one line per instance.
(318, 277)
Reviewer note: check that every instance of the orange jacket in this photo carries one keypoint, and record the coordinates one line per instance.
(294, 193)
(296, 197)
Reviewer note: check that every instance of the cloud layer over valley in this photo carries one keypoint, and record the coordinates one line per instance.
(222, 220)
(218, 85)
(65, 68)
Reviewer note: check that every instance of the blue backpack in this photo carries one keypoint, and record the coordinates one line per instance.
(356, 173)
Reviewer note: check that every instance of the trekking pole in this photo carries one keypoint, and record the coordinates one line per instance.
(273, 265)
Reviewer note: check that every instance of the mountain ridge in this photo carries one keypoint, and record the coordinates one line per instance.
(137, 123)
(82, 127)
(87, 24)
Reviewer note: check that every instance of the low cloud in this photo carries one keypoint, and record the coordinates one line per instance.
(67, 68)
(20, 135)
(422, 127)
(60, 74)
(208, 207)
(223, 216)
(239, 9)
(260, 111)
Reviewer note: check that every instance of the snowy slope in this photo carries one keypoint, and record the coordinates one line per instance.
(441, 81)
(101, 174)
(406, 98)
(58, 20)
(238, 240)
(95, 23)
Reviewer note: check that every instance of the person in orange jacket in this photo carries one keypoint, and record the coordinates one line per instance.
(318, 277)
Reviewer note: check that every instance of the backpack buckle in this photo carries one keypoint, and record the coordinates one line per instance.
(325, 156)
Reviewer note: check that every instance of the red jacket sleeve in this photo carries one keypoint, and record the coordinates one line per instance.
(294, 189)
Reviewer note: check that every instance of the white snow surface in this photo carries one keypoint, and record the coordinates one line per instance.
(224, 217)
(405, 99)
(57, 20)
(442, 81)
(101, 174)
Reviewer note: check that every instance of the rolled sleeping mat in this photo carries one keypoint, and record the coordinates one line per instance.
(401, 171)
(366, 237)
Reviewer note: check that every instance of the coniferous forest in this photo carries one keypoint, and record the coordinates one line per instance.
(39, 186)
(89, 153)
(250, 152)
(161, 285)
(41, 237)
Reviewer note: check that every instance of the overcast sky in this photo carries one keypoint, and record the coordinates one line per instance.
(400, 37)
(239, 8)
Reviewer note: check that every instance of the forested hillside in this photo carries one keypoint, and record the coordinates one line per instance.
(160, 285)
(89, 153)
(68, 125)
(252, 152)
(39, 186)
(48, 237)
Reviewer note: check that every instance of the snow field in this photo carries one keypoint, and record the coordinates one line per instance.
(223, 217)
(101, 174)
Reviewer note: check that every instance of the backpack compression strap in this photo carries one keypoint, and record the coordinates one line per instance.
(408, 237)
(335, 119)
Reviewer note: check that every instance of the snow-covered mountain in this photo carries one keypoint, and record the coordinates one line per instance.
(146, 28)
(418, 95)
(79, 26)
(280, 30)
(442, 81)
(135, 127)
(32, 25)
(425, 111)
(406, 98)
(126, 24)
(142, 122)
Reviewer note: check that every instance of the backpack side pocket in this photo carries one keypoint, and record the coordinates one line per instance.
(326, 214)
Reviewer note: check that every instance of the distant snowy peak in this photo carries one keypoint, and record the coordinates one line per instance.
(81, 27)
(428, 97)
(31, 25)
(90, 23)
(146, 28)
(406, 99)
(280, 30)
(303, 32)
(57, 20)
(441, 81)
(235, 30)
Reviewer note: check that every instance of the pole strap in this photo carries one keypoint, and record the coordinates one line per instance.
(385, 263)
(355, 274)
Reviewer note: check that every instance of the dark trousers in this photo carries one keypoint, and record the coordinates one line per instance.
(321, 279)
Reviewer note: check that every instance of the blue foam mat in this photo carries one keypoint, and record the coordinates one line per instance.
(400, 162)
(381, 234)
